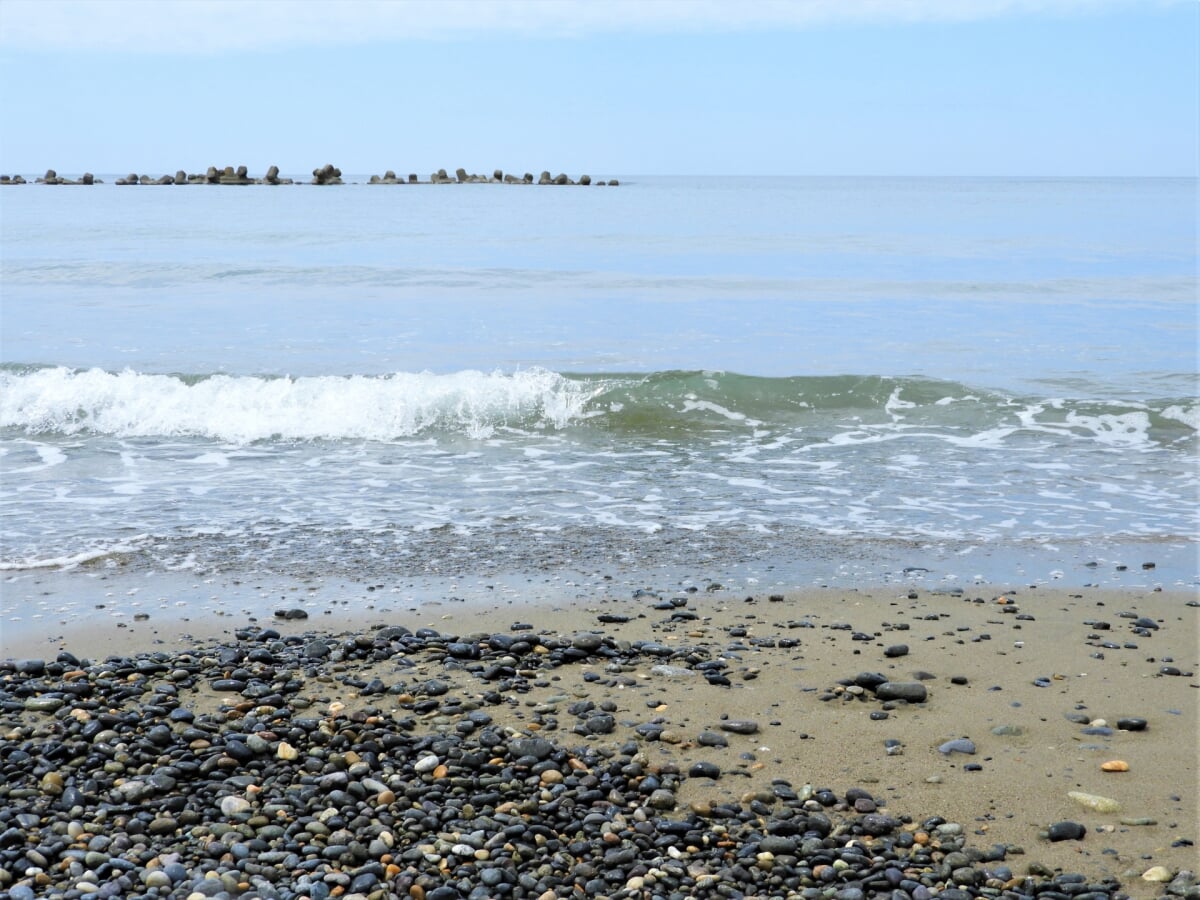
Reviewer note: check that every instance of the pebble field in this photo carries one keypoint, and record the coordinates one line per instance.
(672, 745)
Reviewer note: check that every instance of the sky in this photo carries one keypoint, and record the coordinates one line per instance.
(623, 87)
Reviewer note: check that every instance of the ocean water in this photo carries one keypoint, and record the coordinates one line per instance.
(786, 378)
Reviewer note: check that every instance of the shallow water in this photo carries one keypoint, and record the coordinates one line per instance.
(405, 380)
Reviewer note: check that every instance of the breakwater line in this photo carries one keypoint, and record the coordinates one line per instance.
(327, 174)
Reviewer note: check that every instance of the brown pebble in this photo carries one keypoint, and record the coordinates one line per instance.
(1115, 765)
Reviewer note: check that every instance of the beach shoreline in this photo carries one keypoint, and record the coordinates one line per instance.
(131, 601)
(1036, 679)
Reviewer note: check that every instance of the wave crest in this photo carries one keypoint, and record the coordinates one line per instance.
(244, 409)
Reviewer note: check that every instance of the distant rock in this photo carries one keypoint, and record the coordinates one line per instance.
(327, 174)
(51, 177)
(229, 175)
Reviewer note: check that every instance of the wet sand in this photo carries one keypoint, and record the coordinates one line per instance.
(1022, 674)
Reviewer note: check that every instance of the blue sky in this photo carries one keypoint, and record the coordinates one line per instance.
(806, 87)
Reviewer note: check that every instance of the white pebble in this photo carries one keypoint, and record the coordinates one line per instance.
(426, 764)
(232, 806)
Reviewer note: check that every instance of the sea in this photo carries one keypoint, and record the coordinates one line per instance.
(748, 383)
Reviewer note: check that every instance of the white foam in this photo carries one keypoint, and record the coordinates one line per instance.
(68, 561)
(1123, 430)
(244, 409)
(691, 404)
(1188, 415)
(214, 458)
(48, 456)
(51, 456)
(894, 403)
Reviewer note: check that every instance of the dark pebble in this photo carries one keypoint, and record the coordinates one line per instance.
(704, 770)
(909, 691)
(1131, 723)
(1066, 831)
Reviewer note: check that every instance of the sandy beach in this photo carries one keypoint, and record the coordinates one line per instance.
(1019, 697)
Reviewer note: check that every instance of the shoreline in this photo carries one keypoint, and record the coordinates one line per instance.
(1004, 676)
(132, 602)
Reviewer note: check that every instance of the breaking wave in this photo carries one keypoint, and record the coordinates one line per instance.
(244, 409)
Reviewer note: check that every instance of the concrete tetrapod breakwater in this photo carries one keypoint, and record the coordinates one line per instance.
(323, 175)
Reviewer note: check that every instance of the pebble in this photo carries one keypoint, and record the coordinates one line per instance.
(1131, 723)
(234, 806)
(1114, 765)
(1095, 802)
(909, 691)
(959, 745)
(426, 764)
(673, 671)
(1066, 831)
(44, 704)
(286, 751)
(283, 786)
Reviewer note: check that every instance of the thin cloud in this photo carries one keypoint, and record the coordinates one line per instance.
(214, 26)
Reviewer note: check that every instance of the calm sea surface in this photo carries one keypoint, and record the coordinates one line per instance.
(388, 381)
